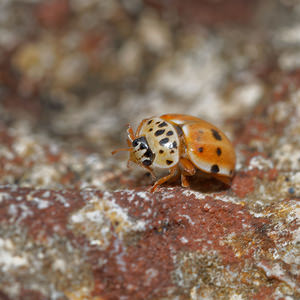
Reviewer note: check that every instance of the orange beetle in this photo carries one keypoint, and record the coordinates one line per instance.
(182, 144)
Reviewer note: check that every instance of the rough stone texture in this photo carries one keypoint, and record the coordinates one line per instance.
(75, 223)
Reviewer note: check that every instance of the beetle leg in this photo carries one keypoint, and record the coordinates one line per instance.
(151, 172)
(187, 169)
(173, 171)
(184, 182)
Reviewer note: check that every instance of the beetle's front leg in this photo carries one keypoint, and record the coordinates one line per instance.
(173, 171)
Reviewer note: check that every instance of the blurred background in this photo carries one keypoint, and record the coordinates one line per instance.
(73, 73)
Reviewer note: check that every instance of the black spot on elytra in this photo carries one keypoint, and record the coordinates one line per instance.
(219, 151)
(216, 135)
(174, 145)
(159, 132)
(214, 169)
(150, 129)
(161, 151)
(163, 124)
(200, 149)
(170, 133)
(169, 161)
(164, 141)
(149, 122)
(172, 151)
(147, 162)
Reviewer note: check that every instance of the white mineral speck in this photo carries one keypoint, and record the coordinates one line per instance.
(9, 260)
(189, 219)
(77, 218)
(289, 61)
(260, 163)
(46, 194)
(4, 196)
(59, 265)
(23, 145)
(289, 35)
(151, 273)
(41, 204)
(95, 216)
(12, 210)
(236, 297)
(154, 34)
(130, 56)
(246, 96)
(207, 206)
(96, 242)
(184, 240)
(286, 156)
(143, 195)
(62, 200)
(43, 175)
(198, 195)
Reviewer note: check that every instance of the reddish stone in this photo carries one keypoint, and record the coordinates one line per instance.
(7, 77)
(209, 12)
(254, 129)
(176, 224)
(42, 222)
(273, 174)
(243, 184)
(53, 13)
(288, 82)
(32, 107)
(264, 293)
(93, 41)
(5, 138)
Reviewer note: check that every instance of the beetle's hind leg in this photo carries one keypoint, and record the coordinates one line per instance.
(187, 169)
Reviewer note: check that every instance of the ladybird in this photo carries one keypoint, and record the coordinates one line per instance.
(183, 144)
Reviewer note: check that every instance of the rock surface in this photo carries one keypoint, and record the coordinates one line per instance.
(75, 223)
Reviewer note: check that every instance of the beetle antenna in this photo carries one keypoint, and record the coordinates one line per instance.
(121, 149)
